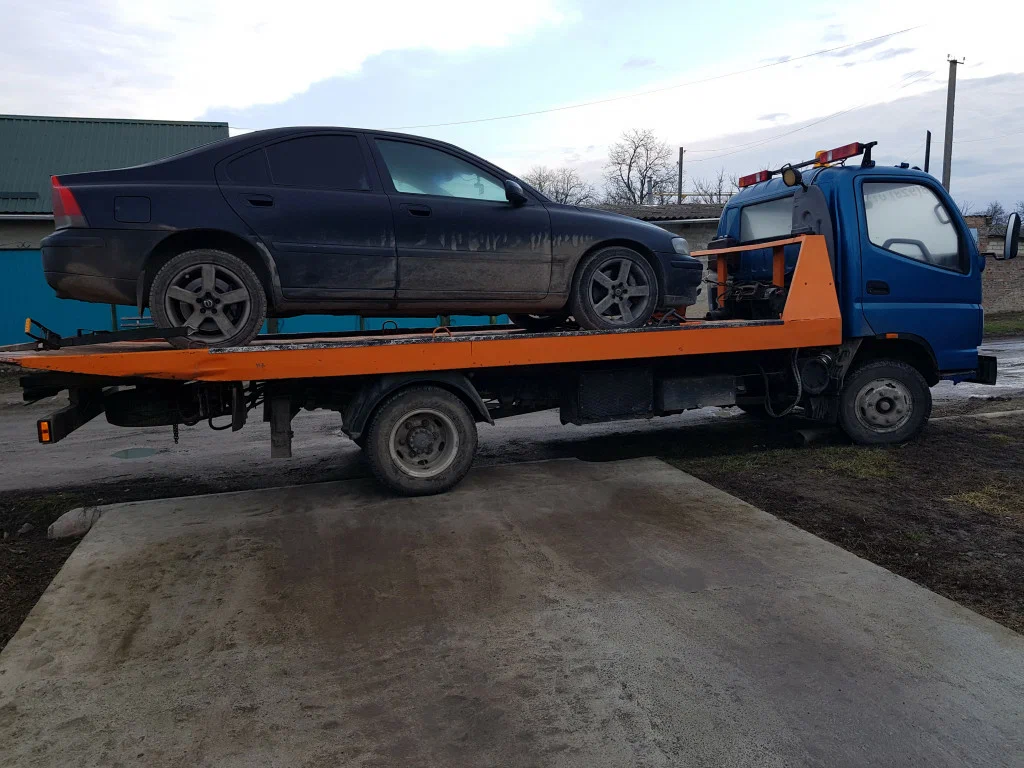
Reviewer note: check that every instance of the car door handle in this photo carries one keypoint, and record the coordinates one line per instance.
(417, 210)
(259, 201)
(878, 288)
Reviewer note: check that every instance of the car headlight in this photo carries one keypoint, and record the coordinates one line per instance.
(679, 245)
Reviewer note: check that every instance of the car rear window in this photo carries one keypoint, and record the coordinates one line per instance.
(762, 221)
(250, 168)
(319, 162)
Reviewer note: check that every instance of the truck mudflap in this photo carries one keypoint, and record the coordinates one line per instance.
(985, 373)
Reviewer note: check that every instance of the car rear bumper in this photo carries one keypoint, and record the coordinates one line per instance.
(96, 265)
(683, 277)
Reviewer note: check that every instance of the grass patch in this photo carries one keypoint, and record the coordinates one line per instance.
(992, 499)
(1004, 324)
(856, 462)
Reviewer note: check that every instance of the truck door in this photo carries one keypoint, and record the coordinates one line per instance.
(322, 214)
(919, 268)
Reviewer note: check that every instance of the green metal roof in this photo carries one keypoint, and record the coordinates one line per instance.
(34, 148)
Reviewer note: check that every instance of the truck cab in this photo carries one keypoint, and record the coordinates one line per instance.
(906, 266)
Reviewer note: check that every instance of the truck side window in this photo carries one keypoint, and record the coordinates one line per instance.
(910, 220)
(767, 220)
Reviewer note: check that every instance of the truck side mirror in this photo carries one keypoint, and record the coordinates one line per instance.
(1012, 242)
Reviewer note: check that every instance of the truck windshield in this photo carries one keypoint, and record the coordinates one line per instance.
(770, 219)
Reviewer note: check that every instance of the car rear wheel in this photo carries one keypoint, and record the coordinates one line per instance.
(614, 288)
(215, 294)
(421, 441)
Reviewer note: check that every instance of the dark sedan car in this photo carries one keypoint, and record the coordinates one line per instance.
(339, 221)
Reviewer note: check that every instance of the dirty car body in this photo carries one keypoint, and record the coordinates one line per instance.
(342, 221)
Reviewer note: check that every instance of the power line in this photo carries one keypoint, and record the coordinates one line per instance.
(987, 138)
(760, 67)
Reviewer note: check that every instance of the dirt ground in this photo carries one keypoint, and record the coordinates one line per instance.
(946, 511)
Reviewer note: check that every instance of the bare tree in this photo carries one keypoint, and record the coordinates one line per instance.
(1019, 208)
(966, 207)
(563, 185)
(716, 189)
(638, 161)
(996, 213)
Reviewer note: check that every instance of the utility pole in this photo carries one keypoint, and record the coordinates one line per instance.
(947, 150)
(679, 191)
(927, 150)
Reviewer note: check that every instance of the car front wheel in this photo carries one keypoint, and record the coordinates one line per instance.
(213, 293)
(614, 288)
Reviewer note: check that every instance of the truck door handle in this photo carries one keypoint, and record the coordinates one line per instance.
(260, 201)
(417, 210)
(878, 288)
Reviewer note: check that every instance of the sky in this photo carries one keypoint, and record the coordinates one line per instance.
(740, 85)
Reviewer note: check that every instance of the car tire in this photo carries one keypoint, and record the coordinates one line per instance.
(884, 402)
(606, 290)
(189, 290)
(421, 441)
(539, 323)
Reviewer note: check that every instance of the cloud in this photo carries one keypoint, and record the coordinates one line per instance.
(834, 34)
(891, 53)
(180, 58)
(639, 62)
(776, 60)
(773, 116)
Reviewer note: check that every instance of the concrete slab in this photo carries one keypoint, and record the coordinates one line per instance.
(558, 613)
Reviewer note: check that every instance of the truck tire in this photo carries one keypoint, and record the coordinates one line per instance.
(421, 441)
(884, 402)
(213, 292)
(614, 288)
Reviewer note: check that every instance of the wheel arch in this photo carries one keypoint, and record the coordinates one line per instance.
(360, 410)
(908, 348)
(257, 258)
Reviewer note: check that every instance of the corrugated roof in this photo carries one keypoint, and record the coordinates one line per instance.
(668, 212)
(34, 148)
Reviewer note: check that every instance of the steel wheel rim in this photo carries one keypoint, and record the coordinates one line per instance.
(884, 405)
(210, 299)
(423, 443)
(619, 291)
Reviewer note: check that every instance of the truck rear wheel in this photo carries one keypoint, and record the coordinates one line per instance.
(884, 402)
(421, 441)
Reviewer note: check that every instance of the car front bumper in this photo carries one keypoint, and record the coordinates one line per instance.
(683, 277)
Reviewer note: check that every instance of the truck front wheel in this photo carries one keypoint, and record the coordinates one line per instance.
(421, 441)
(884, 402)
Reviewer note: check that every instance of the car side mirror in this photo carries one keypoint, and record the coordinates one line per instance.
(1012, 242)
(514, 193)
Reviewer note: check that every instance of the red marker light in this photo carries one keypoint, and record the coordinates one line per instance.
(826, 156)
(754, 178)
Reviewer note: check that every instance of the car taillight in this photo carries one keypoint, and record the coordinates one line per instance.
(66, 211)
(754, 178)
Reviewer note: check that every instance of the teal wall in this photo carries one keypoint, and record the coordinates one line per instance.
(25, 293)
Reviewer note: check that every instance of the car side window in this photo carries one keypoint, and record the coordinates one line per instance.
(419, 170)
(763, 221)
(250, 168)
(319, 162)
(910, 220)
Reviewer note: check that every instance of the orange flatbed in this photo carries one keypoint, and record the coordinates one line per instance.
(811, 318)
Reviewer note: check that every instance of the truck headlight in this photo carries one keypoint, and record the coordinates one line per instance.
(679, 245)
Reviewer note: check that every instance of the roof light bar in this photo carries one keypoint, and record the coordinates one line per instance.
(754, 178)
(826, 156)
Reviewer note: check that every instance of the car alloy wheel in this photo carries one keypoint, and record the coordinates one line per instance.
(209, 298)
(619, 291)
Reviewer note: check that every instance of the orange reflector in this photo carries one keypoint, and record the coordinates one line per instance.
(754, 178)
(892, 335)
(28, 324)
(44, 432)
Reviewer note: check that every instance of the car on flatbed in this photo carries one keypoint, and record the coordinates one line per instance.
(293, 221)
